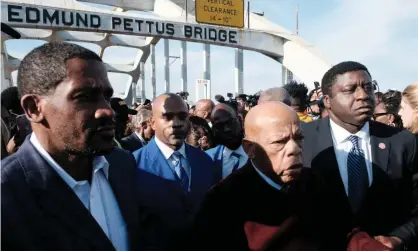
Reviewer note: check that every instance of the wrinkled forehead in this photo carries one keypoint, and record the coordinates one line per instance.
(353, 78)
(268, 128)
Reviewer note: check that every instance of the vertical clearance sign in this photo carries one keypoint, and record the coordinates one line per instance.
(220, 12)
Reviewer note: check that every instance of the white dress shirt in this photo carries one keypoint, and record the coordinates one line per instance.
(342, 147)
(143, 142)
(267, 179)
(228, 161)
(97, 197)
(168, 154)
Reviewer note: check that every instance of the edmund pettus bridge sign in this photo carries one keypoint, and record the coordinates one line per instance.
(22, 15)
(220, 12)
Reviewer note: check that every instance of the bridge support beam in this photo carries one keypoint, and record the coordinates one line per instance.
(142, 80)
(153, 80)
(206, 69)
(239, 72)
(183, 58)
(167, 65)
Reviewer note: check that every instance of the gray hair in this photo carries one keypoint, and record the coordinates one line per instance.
(142, 116)
(275, 94)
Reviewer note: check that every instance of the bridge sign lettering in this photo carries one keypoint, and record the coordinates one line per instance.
(33, 16)
(220, 12)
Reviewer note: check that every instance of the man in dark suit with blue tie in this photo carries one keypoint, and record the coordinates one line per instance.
(173, 176)
(371, 168)
(229, 155)
(67, 188)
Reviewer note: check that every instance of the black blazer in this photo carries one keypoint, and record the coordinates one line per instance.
(131, 142)
(390, 207)
(40, 212)
(243, 212)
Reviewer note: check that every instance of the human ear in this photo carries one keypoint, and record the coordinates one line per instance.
(33, 106)
(152, 121)
(327, 102)
(249, 148)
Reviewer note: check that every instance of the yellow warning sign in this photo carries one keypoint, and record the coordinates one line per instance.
(220, 12)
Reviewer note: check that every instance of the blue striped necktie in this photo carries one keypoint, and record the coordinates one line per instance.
(180, 172)
(236, 156)
(358, 180)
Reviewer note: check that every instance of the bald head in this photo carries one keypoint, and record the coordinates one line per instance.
(165, 99)
(275, 94)
(205, 104)
(273, 140)
(170, 119)
(204, 108)
(266, 113)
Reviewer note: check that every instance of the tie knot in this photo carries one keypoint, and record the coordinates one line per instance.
(236, 155)
(354, 140)
(176, 155)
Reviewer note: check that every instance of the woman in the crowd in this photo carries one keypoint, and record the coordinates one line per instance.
(378, 97)
(200, 135)
(192, 110)
(387, 111)
(409, 108)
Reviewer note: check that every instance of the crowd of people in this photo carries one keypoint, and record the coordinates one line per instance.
(334, 168)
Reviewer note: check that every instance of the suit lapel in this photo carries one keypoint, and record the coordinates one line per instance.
(160, 167)
(137, 141)
(157, 163)
(380, 147)
(218, 159)
(123, 185)
(55, 197)
(325, 162)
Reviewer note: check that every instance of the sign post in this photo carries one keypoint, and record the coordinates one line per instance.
(220, 12)
(206, 88)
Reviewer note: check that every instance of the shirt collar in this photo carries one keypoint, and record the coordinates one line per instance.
(167, 151)
(267, 179)
(340, 134)
(140, 138)
(227, 152)
(99, 162)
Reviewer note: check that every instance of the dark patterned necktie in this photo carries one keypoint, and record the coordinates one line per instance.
(181, 173)
(358, 180)
(236, 156)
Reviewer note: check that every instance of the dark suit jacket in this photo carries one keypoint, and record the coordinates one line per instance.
(40, 212)
(131, 142)
(243, 212)
(390, 207)
(161, 193)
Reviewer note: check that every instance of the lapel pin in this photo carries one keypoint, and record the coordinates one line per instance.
(382, 146)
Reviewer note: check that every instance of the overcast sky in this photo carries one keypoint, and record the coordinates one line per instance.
(382, 34)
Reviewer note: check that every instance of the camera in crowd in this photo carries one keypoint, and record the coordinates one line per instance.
(183, 95)
(249, 100)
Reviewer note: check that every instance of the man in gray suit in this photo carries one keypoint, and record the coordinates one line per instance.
(67, 187)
